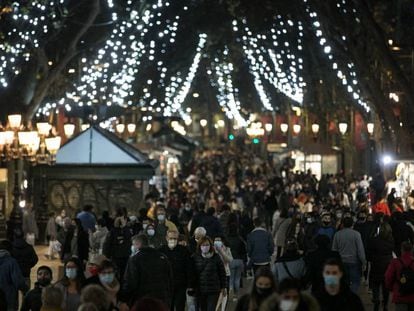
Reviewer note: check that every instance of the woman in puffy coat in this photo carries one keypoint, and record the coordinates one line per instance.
(210, 275)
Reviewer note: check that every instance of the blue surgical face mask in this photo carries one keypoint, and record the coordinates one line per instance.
(161, 217)
(331, 280)
(107, 278)
(133, 249)
(71, 273)
(151, 232)
(218, 244)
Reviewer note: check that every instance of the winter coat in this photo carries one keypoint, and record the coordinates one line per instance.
(348, 243)
(280, 231)
(237, 247)
(306, 303)
(32, 301)
(148, 273)
(393, 275)
(212, 226)
(243, 304)
(25, 256)
(65, 239)
(379, 253)
(345, 300)
(401, 232)
(314, 265)
(288, 266)
(11, 279)
(88, 220)
(181, 265)
(260, 246)
(80, 245)
(117, 243)
(210, 272)
(310, 232)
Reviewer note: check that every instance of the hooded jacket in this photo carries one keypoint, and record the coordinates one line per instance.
(25, 256)
(11, 278)
(393, 274)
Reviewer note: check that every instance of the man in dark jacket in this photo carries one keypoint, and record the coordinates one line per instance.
(316, 259)
(11, 278)
(336, 295)
(148, 273)
(33, 299)
(24, 254)
(260, 245)
(180, 261)
(211, 223)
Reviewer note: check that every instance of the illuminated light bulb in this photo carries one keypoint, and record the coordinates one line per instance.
(131, 128)
(343, 127)
(203, 122)
(370, 128)
(296, 128)
(43, 128)
(315, 128)
(69, 129)
(120, 128)
(15, 120)
(268, 127)
(284, 128)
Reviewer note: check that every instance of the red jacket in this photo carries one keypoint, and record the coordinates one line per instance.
(381, 207)
(392, 277)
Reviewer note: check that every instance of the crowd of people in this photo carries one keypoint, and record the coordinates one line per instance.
(227, 220)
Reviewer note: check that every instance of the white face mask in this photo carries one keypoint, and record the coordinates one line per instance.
(172, 244)
(288, 305)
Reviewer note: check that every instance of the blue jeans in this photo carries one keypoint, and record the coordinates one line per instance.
(236, 270)
(353, 273)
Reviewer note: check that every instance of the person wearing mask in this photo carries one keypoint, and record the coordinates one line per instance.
(222, 249)
(210, 276)
(291, 264)
(260, 245)
(336, 295)
(238, 249)
(162, 225)
(397, 277)
(117, 245)
(280, 230)
(148, 273)
(348, 243)
(109, 281)
(71, 284)
(379, 253)
(11, 278)
(199, 233)
(326, 227)
(25, 255)
(310, 231)
(87, 218)
(150, 233)
(92, 269)
(180, 261)
(289, 297)
(315, 260)
(264, 286)
(97, 238)
(32, 301)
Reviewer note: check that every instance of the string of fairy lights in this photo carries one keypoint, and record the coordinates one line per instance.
(141, 38)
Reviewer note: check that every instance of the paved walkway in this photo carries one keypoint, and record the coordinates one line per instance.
(56, 264)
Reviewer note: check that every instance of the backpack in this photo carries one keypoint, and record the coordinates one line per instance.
(406, 279)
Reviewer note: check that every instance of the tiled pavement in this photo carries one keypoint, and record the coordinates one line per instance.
(55, 264)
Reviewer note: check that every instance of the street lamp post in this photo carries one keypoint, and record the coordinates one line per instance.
(343, 127)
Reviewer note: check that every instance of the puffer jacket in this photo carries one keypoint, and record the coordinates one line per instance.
(211, 276)
(117, 243)
(11, 279)
(393, 275)
(148, 273)
(25, 256)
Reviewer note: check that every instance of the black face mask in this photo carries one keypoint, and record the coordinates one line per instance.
(44, 282)
(264, 292)
(326, 223)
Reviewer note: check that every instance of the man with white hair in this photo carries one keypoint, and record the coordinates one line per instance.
(199, 233)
